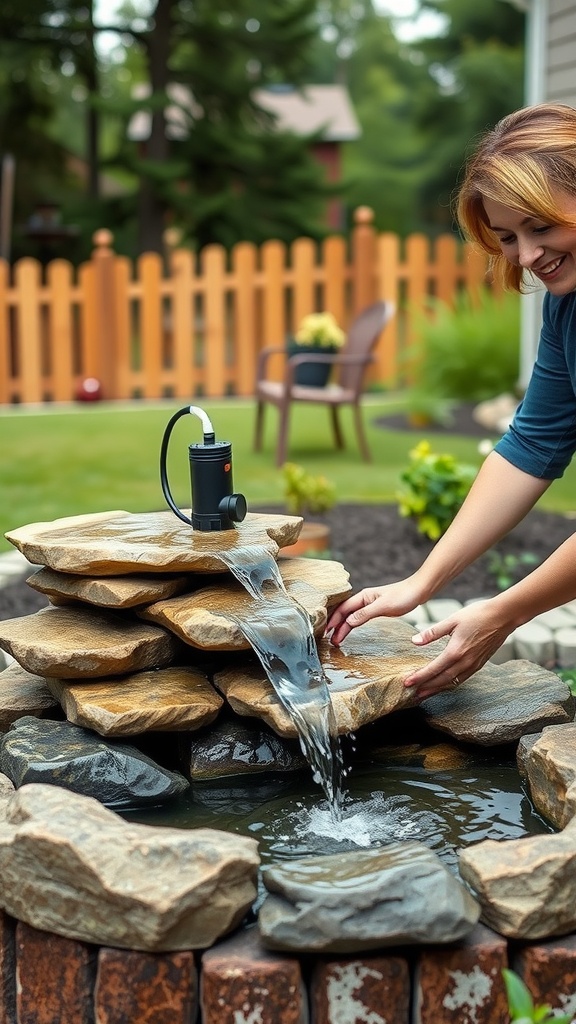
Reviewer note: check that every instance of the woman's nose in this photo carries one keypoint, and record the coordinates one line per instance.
(528, 252)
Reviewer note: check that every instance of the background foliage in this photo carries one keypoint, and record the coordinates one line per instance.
(65, 104)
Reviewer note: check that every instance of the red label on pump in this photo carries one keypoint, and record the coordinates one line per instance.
(227, 467)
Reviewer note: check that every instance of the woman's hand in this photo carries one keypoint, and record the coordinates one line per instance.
(390, 600)
(476, 632)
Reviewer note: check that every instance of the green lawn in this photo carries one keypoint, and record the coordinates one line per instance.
(61, 461)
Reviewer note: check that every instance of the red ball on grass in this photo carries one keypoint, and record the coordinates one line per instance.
(89, 390)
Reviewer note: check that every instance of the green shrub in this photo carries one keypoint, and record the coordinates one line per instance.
(304, 492)
(436, 486)
(470, 352)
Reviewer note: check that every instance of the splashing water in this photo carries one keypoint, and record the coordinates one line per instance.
(280, 632)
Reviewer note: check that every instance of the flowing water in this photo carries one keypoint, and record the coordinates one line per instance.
(280, 632)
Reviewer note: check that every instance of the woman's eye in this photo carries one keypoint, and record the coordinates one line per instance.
(541, 230)
(507, 239)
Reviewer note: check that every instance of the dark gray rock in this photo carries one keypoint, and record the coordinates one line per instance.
(65, 755)
(232, 748)
(395, 895)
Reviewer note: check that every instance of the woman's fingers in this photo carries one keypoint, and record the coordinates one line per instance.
(390, 600)
(475, 634)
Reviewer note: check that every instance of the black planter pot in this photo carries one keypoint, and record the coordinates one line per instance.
(311, 375)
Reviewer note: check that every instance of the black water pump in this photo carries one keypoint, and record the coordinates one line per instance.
(214, 506)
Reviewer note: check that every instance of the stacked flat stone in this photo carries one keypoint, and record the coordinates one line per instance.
(138, 601)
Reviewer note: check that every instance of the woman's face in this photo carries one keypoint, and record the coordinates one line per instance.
(547, 250)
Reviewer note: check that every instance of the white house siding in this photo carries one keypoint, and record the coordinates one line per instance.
(560, 75)
(550, 76)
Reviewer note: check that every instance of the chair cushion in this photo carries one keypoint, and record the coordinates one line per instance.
(273, 391)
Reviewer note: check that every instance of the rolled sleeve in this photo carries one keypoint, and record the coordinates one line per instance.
(542, 437)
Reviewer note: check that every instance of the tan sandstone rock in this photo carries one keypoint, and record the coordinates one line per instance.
(22, 693)
(73, 641)
(365, 677)
(170, 699)
(526, 887)
(72, 867)
(210, 618)
(6, 792)
(549, 762)
(117, 543)
(107, 591)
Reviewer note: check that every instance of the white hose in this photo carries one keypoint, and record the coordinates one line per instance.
(203, 416)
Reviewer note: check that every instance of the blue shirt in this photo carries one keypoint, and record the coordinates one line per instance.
(541, 439)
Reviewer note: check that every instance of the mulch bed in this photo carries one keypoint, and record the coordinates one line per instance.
(459, 421)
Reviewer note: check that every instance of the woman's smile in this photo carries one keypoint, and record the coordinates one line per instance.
(548, 251)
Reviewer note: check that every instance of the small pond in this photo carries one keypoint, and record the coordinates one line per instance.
(446, 809)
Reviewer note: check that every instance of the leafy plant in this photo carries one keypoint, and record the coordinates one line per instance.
(470, 351)
(505, 568)
(304, 492)
(521, 1004)
(436, 487)
(569, 676)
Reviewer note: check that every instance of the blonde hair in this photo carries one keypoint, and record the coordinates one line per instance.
(522, 163)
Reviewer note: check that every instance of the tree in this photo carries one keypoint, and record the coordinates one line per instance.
(383, 166)
(231, 175)
(47, 36)
(475, 77)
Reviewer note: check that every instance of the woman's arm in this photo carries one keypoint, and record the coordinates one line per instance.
(498, 500)
(477, 631)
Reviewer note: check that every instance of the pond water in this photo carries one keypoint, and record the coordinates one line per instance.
(446, 810)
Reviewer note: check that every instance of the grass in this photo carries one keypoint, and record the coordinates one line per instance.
(66, 460)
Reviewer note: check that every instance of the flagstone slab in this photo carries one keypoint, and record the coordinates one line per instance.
(501, 703)
(117, 543)
(365, 679)
(69, 642)
(22, 693)
(347, 902)
(175, 698)
(210, 618)
(71, 867)
(325, 574)
(107, 591)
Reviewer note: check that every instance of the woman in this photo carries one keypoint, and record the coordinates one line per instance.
(518, 202)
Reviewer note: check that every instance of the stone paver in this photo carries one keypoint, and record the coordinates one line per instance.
(364, 988)
(243, 982)
(7, 969)
(549, 971)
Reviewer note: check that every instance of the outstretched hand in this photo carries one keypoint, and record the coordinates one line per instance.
(476, 632)
(390, 600)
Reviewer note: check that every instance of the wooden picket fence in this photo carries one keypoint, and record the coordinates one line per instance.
(191, 325)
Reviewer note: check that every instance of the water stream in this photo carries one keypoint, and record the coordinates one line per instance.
(280, 632)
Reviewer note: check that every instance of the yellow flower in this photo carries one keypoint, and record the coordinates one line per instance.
(320, 329)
